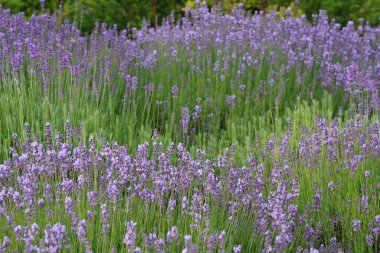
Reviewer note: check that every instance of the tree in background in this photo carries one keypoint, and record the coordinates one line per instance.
(345, 10)
(87, 12)
(120, 12)
(341, 10)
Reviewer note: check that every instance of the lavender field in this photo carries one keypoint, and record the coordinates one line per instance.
(216, 132)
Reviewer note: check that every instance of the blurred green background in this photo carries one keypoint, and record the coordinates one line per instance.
(122, 12)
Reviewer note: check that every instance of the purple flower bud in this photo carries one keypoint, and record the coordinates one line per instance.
(35, 228)
(105, 225)
(172, 235)
(174, 91)
(172, 204)
(130, 235)
(365, 204)
(370, 241)
(237, 249)
(331, 185)
(69, 206)
(81, 230)
(92, 198)
(187, 240)
(231, 100)
(18, 232)
(185, 119)
(356, 225)
(377, 219)
(197, 111)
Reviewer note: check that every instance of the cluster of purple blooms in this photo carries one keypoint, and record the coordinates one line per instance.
(345, 55)
(231, 46)
(266, 193)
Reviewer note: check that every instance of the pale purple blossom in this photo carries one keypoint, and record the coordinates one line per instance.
(130, 235)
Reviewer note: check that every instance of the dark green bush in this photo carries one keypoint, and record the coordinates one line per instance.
(345, 10)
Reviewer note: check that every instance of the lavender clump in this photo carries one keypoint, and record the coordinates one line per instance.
(315, 189)
(130, 235)
(189, 187)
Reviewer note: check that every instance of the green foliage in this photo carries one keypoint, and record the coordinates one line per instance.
(345, 10)
(87, 12)
(120, 12)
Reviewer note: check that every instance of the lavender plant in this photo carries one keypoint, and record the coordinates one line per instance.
(237, 132)
(316, 190)
(223, 68)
